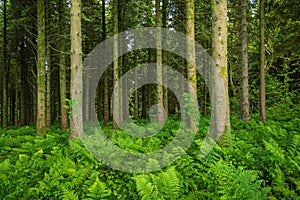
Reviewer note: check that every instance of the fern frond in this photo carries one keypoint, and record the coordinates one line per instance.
(98, 190)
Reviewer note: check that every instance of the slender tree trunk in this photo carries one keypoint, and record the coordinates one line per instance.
(63, 87)
(149, 91)
(17, 100)
(76, 69)
(164, 55)
(86, 105)
(244, 35)
(41, 74)
(105, 84)
(48, 90)
(5, 70)
(262, 63)
(106, 99)
(62, 71)
(160, 101)
(219, 37)
(116, 108)
(144, 102)
(136, 97)
(191, 58)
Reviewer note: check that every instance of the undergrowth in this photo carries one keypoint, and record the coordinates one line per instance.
(257, 161)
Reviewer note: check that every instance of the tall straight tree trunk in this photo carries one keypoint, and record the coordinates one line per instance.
(105, 84)
(41, 74)
(191, 58)
(149, 87)
(63, 87)
(116, 107)
(17, 100)
(5, 70)
(136, 97)
(219, 38)
(76, 67)
(48, 89)
(164, 55)
(262, 63)
(244, 42)
(62, 71)
(160, 114)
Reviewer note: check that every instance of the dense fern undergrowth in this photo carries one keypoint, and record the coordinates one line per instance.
(257, 161)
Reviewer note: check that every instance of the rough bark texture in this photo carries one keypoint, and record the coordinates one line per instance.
(262, 64)
(219, 39)
(62, 72)
(191, 60)
(41, 71)
(160, 114)
(244, 45)
(76, 67)
(116, 107)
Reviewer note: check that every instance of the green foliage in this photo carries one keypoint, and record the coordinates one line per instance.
(257, 161)
(164, 185)
(98, 190)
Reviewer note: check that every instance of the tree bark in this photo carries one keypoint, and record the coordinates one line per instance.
(262, 64)
(164, 57)
(191, 59)
(105, 84)
(41, 74)
(5, 69)
(116, 107)
(16, 119)
(244, 45)
(136, 97)
(48, 89)
(160, 102)
(76, 68)
(62, 71)
(219, 38)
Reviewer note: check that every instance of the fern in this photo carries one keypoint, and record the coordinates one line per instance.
(69, 195)
(165, 185)
(98, 190)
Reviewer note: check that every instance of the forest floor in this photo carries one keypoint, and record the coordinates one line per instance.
(257, 161)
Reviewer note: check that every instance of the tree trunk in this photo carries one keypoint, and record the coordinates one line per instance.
(76, 69)
(48, 89)
(136, 97)
(63, 87)
(219, 38)
(41, 74)
(164, 55)
(149, 87)
(191, 60)
(62, 72)
(116, 107)
(244, 35)
(262, 64)
(16, 119)
(160, 114)
(105, 81)
(5, 69)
